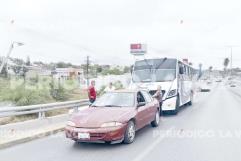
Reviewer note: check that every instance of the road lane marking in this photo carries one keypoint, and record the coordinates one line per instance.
(152, 146)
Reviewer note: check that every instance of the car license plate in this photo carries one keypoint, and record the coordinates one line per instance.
(83, 136)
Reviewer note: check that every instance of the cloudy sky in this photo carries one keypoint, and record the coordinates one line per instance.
(69, 30)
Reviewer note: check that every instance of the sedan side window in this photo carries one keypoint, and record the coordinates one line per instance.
(147, 96)
(140, 97)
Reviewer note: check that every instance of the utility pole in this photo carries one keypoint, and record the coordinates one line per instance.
(87, 70)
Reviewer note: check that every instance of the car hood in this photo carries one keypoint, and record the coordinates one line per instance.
(94, 117)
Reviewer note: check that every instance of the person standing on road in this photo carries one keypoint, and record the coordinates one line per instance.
(92, 92)
(158, 95)
(110, 87)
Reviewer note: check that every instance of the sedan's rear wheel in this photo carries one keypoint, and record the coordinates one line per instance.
(130, 133)
(156, 121)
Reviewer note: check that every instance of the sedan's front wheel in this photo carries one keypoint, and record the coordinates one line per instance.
(156, 121)
(130, 133)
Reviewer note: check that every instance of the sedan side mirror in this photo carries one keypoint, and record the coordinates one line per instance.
(141, 104)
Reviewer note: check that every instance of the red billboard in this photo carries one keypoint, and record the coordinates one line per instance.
(138, 49)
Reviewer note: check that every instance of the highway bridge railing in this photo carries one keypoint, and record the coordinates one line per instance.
(40, 109)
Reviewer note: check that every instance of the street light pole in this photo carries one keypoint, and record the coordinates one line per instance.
(5, 60)
(231, 57)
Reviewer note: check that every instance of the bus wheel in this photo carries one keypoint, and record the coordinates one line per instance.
(191, 99)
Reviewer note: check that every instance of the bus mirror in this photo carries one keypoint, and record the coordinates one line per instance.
(181, 71)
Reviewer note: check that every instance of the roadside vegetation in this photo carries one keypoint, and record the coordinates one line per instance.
(24, 87)
(25, 94)
(38, 91)
(18, 92)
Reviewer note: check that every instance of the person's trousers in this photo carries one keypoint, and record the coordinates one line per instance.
(92, 101)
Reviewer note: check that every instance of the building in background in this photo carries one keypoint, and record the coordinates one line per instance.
(34, 70)
(69, 73)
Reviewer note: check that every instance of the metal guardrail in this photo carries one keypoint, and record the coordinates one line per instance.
(41, 108)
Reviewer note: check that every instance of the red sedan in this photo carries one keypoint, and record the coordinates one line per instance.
(114, 117)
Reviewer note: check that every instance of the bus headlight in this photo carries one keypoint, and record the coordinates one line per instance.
(172, 93)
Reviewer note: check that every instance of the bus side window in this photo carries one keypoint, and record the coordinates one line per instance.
(191, 73)
(186, 72)
(181, 67)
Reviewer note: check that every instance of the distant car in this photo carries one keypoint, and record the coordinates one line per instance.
(232, 85)
(114, 117)
(205, 88)
(209, 82)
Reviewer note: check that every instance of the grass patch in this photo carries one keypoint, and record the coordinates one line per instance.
(21, 96)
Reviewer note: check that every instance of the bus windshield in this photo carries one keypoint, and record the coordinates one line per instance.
(154, 70)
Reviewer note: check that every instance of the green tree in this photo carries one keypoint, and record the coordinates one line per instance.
(63, 65)
(59, 93)
(210, 70)
(16, 69)
(126, 69)
(99, 69)
(225, 64)
(115, 71)
(4, 72)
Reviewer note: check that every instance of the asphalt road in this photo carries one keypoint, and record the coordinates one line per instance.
(210, 130)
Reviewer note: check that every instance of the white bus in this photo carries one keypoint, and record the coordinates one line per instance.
(175, 77)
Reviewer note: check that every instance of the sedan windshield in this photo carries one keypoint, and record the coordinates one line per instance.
(115, 99)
